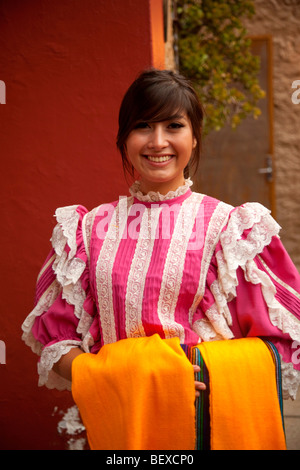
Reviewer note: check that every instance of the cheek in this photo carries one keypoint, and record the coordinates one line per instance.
(133, 145)
(129, 149)
(187, 144)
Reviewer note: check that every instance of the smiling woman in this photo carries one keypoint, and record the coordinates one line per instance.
(160, 151)
(160, 106)
(131, 288)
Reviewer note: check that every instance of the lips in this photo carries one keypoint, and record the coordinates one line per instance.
(159, 158)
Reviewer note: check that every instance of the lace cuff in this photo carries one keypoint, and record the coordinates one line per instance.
(51, 355)
(215, 325)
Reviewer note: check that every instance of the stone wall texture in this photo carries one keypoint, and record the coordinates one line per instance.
(281, 20)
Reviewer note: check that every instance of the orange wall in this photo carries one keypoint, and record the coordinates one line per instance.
(66, 65)
(157, 34)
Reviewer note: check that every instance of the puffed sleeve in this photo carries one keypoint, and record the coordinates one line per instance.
(253, 289)
(64, 306)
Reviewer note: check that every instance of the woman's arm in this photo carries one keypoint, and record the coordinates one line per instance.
(63, 367)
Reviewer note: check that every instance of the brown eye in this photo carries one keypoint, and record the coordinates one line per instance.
(141, 125)
(176, 125)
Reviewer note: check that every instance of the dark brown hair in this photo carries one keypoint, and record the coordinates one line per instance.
(159, 95)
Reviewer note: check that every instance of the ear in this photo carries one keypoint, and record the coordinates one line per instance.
(194, 142)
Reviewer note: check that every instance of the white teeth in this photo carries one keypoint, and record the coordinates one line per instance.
(165, 158)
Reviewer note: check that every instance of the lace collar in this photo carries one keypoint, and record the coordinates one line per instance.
(156, 196)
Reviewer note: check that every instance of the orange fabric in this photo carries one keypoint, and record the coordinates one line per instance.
(244, 408)
(136, 394)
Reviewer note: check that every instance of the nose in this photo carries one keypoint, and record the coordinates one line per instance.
(157, 138)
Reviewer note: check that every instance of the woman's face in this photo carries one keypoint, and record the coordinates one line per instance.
(160, 151)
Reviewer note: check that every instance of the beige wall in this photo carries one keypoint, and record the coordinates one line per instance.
(282, 22)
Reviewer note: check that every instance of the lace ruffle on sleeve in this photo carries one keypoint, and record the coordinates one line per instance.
(64, 305)
(252, 289)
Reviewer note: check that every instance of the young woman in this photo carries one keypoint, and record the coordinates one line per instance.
(164, 260)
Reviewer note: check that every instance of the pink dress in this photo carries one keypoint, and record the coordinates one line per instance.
(183, 265)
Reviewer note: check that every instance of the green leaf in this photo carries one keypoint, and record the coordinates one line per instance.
(215, 53)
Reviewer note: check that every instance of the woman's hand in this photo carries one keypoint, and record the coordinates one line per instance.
(199, 386)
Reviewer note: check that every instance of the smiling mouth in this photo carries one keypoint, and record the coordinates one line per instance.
(159, 158)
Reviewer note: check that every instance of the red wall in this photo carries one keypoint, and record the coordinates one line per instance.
(66, 65)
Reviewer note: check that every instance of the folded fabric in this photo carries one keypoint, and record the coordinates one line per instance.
(139, 394)
(245, 410)
(202, 419)
(136, 394)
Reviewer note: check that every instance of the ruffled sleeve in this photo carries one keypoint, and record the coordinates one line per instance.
(64, 303)
(253, 289)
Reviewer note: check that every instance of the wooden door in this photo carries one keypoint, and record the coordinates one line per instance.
(237, 165)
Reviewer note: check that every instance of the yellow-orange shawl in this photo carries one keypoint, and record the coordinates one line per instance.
(132, 393)
(138, 394)
(244, 407)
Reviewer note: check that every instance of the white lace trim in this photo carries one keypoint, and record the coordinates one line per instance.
(51, 355)
(238, 252)
(87, 342)
(174, 265)
(85, 322)
(290, 380)
(217, 315)
(65, 230)
(241, 252)
(279, 315)
(221, 303)
(276, 278)
(235, 252)
(205, 330)
(104, 268)
(87, 226)
(44, 304)
(216, 224)
(138, 272)
(156, 196)
(68, 270)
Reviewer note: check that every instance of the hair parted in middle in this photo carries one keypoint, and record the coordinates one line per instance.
(155, 96)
